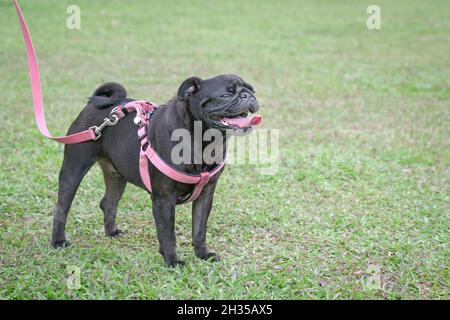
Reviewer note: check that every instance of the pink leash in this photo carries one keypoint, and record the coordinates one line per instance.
(143, 110)
(37, 91)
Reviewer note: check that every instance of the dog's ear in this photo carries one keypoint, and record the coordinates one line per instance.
(188, 88)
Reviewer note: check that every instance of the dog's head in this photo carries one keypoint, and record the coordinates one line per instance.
(225, 102)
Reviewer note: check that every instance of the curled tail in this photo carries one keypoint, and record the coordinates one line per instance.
(108, 94)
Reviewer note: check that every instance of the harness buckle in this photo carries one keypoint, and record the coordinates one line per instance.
(204, 178)
(97, 133)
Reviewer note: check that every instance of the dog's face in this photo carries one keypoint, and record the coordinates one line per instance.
(225, 102)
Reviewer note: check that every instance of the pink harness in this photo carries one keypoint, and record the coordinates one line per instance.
(143, 110)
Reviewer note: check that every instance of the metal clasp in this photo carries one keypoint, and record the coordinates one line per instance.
(107, 122)
(113, 111)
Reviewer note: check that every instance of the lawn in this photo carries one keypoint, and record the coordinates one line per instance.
(359, 207)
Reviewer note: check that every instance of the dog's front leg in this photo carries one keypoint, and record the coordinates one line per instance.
(201, 209)
(164, 215)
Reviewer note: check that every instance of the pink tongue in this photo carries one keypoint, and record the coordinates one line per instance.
(242, 122)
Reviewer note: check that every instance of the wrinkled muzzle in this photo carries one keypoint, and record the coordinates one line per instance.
(238, 112)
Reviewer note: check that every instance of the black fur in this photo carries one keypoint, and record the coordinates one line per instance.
(107, 95)
(117, 152)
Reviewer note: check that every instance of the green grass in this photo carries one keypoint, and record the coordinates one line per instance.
(364, 175)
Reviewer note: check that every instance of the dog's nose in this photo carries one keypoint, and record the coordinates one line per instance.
(253, 109)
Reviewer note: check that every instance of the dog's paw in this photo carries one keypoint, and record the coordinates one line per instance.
(210, 256)
(116, 233)
(176, 263)
(172, 260)
(60, 244)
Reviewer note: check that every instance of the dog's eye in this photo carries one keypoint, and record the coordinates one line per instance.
(226, 95)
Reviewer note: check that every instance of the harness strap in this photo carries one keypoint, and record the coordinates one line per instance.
(204, 179)
(143, 170)
(147, 154)
(173, 173)
(198, 180)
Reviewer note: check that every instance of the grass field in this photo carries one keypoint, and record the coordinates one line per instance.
(359, 207)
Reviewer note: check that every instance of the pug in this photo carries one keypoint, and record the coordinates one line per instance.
(225, 103)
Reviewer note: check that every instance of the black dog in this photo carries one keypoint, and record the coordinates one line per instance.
(117, 152)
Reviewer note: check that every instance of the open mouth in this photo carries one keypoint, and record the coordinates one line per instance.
(239, 121)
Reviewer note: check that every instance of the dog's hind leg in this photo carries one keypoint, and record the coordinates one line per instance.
(115, 186)
(78, 159)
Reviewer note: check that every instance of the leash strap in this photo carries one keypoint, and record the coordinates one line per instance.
(37, 91)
